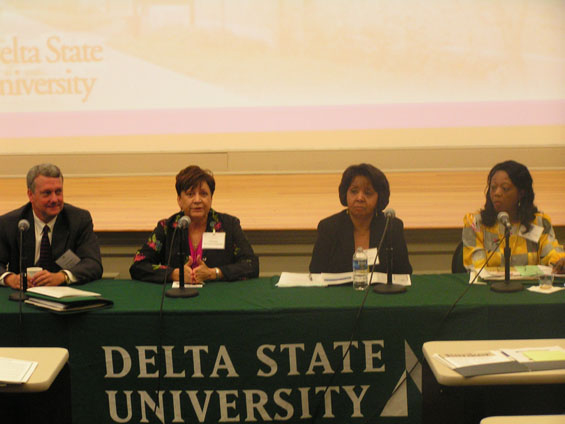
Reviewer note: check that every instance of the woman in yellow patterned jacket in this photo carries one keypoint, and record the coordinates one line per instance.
(532, 239)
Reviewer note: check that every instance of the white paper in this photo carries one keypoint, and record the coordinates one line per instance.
(459, 360)
(334, 279)
(371, 255)
(176, 285)
(16, 371)
(60, 292)
(549, 290)
(214, 241)
(533, 235)
(296, 279)
(400, 279)
(67, 260)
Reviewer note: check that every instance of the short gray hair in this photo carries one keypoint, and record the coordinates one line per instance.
(45, 169)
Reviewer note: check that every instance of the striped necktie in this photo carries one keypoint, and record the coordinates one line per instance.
(45, 257)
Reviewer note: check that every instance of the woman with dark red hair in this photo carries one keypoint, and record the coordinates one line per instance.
(217, 248)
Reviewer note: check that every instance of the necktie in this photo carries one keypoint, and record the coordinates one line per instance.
(45, 259)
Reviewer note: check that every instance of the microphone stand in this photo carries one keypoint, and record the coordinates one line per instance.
(507, 286)
(389, 287)
(20, 295)
(181, 290)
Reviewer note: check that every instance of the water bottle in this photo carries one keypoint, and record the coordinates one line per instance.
(360, 270)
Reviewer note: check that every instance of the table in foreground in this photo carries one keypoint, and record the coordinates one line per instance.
(46, 396)
(450, 397)
(249, 351)
(525, 419)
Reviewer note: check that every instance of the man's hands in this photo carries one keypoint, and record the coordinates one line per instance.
(42, 278)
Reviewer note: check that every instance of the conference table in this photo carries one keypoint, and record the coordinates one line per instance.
(249, 351)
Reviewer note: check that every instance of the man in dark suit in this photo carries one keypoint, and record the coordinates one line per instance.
(60, 238)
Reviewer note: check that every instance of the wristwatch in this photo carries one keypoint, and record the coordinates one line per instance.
(217, 273)
(67, 279)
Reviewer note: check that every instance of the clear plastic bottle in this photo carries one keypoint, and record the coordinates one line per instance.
(360, 269)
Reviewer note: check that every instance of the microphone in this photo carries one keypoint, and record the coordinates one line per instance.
(389, 213)
(23, 225)
(387, 288)
(506, 286)
(504, 219)
(182, 291)
(184, 222)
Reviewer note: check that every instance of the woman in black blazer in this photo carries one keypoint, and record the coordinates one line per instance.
(365, 191)
(215, 245)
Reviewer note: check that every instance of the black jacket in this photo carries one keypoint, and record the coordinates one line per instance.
(73, 230)
(333, 251)
(237, 261)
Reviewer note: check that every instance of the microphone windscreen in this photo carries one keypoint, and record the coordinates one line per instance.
(503, 217)
(23, 225)
(389, 213)
(184, 222)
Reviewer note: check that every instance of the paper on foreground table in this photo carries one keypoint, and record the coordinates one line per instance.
(539, 358)
(15, 371)
(471, 364)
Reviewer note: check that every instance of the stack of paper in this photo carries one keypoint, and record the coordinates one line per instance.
(295, 279)
(325, 279)
(65, 299)
(526, 272)
(480, 363)
(15, 371)
(500, 361)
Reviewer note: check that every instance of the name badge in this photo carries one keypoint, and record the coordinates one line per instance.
(68, 259)
(371, 255)
(533, 235)
(214, 241)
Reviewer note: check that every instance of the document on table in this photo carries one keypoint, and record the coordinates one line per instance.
(176, 285)
(400, 279)
(525, 272)
(325, 279)
(15, 371)
(297, 279)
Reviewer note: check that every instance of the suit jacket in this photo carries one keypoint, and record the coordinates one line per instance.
(335, 245)
(237, 261)
(73, 230)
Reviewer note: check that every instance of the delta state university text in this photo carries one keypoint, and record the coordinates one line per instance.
(27, 67)
(200, 383)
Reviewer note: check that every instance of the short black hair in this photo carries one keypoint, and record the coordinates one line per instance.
(522, 179)
(374, 175)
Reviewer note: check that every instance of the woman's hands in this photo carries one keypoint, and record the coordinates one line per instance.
(196, 275)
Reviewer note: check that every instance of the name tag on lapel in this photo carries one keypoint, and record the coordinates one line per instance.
(371, 255)
(68, 259)
(214, 241)
(533, 235)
